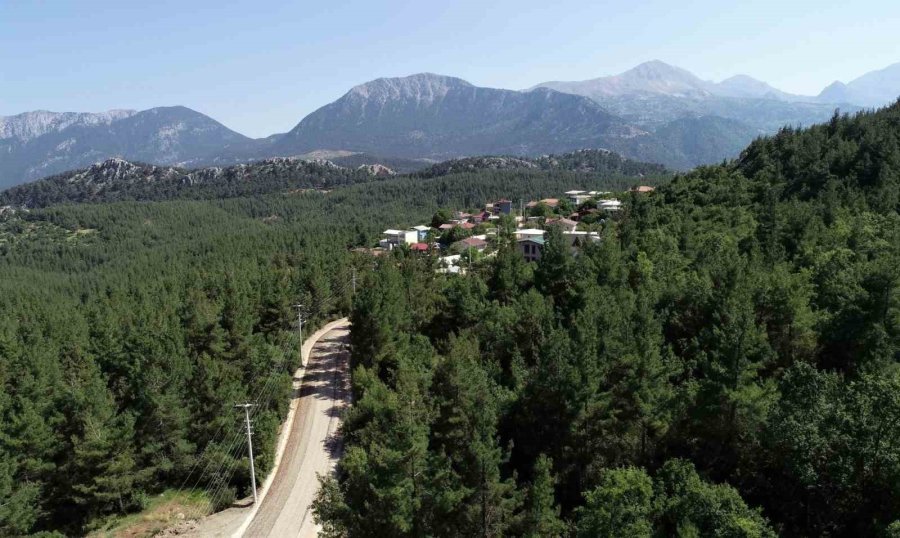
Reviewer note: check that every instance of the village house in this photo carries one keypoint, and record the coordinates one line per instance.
(477, 243)
(578, 197)
(578, 237)
(609, 205)
(461, 216)
(479, 217)
(642, 189)
(422, 231)
(526, 233)
(502, 207)
(549, 202)
(394, 238)
(531, 247)
(567, 225)
(450, 264)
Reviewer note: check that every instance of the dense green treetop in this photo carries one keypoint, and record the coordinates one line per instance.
(724, 362)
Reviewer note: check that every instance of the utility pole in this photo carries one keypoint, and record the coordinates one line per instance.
(247, 407)
(354, 281)
(299, 308)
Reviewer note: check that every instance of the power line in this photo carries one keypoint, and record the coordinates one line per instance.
(220, 472)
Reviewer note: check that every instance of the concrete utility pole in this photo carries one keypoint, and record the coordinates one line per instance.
(299, 308)
(354, 280)
(247, 407)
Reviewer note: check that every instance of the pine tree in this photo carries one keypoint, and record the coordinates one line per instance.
(541, 516)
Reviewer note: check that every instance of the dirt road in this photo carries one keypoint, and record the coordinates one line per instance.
(312, 446)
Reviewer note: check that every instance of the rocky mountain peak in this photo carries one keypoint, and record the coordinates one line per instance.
(835, 92)
(106, 171)
(426, 87)
(377, 170)
(747, 86)
(30, 125)
(659, 70)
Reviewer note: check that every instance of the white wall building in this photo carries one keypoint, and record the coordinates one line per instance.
(395, 238)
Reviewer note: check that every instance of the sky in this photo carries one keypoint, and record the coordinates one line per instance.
(259, 66)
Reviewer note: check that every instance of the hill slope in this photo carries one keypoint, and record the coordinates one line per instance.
(116, 179)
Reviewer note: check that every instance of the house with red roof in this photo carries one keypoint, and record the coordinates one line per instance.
(470, 242)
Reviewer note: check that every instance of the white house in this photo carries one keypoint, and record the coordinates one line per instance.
(578, 197)
(422, 231)
(526, 233)
(394, 238)
(581, 236)
(609, 205)
(449, 264)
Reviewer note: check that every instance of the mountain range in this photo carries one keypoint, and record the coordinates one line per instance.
(438, 117)
(654, 112)
(877, 88)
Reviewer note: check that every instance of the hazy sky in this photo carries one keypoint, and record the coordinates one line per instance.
(259, 66)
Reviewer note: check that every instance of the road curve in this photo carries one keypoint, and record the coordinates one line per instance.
(313, 446)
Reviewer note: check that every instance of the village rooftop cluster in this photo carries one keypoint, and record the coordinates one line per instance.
(460, 237)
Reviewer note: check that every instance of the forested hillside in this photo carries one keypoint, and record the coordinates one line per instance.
(118, 180)
(723, 363)
(130, 329)
(589, 161)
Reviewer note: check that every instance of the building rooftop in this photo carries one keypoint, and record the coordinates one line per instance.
(563, 221)
(474, 242)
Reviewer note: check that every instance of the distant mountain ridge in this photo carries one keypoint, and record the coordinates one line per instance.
(877, 88)
(654, 93)
(874, 89)
(659, 78)
(435, 116)
(39, 144)
(653, 112)
(29, 125)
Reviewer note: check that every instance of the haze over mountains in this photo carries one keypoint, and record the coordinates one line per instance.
(654, 112)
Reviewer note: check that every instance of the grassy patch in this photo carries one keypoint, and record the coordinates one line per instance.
(162, 511)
